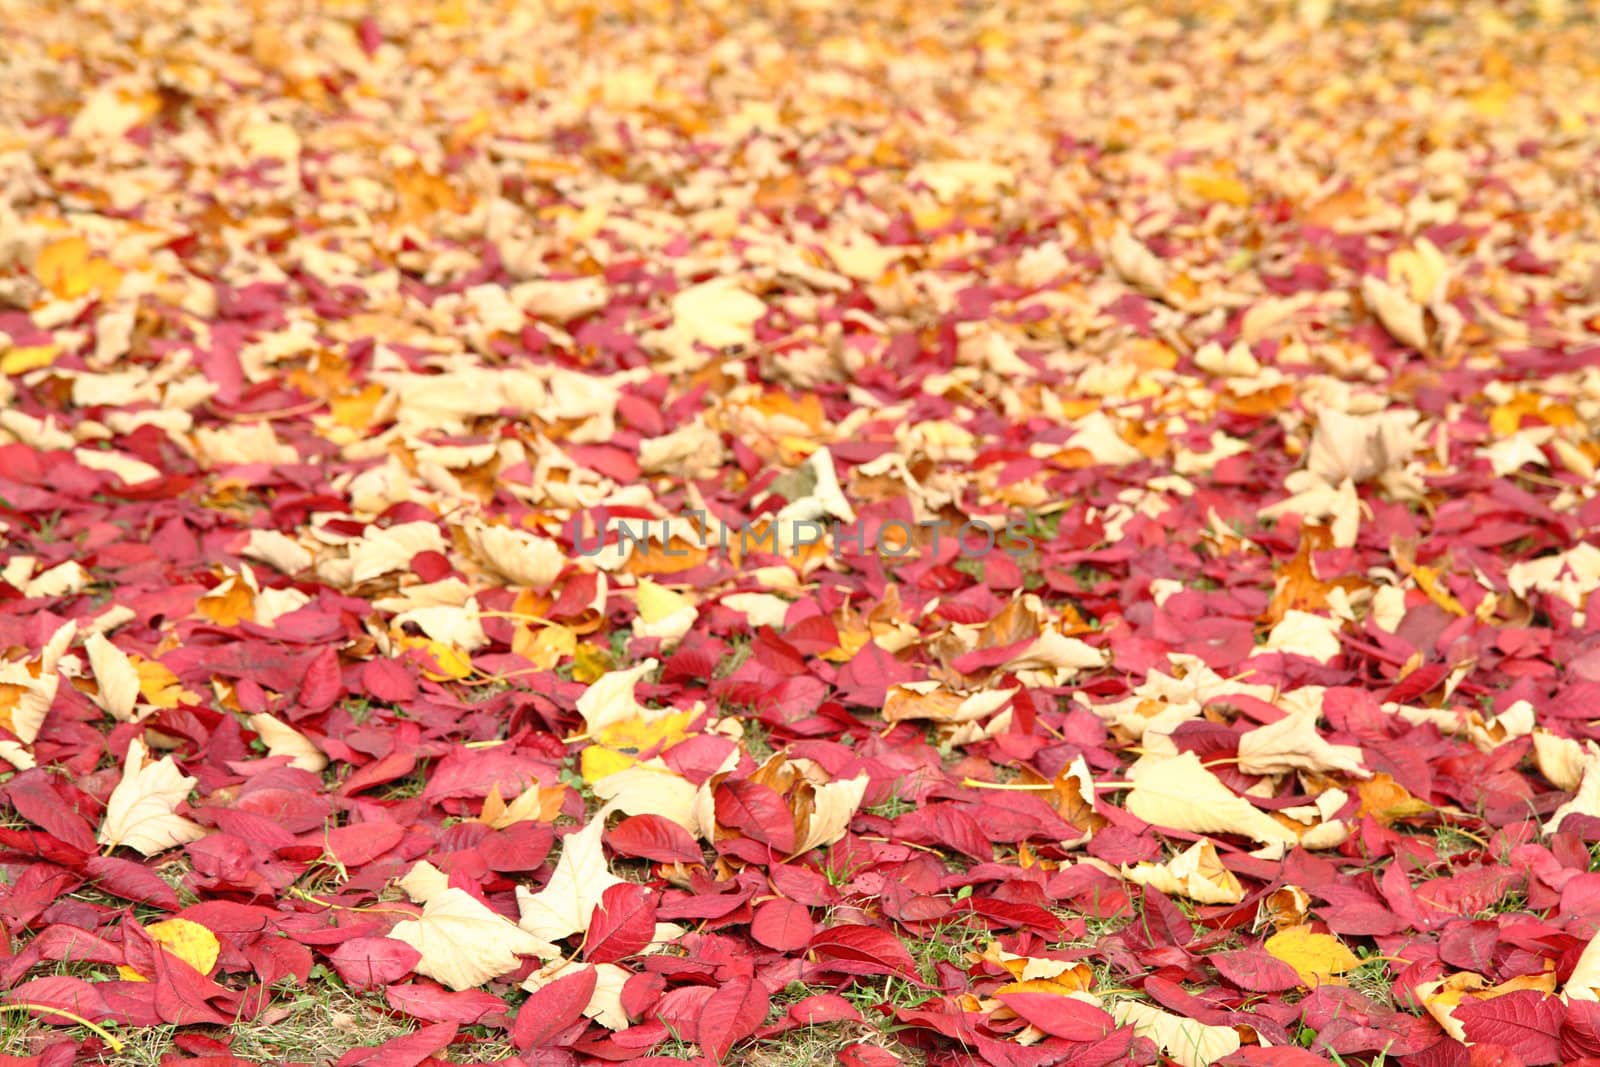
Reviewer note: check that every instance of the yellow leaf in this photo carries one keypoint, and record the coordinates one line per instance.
(185, 939)
(228, 604)
(68, 270)
(356, 410)
(639, 734)
(545, 646)
(590, 662)
(598, 762)
(657, 602)
(452, 663)
(158, 685)
(22, 360)
(1317, 958)
(1216, 187)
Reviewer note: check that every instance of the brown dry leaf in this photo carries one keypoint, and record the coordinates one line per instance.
(936, 703)
(141, 812)
(822, 813)
(538, 803)
(1388, 801)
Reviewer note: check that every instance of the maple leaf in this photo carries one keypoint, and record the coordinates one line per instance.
(567, 902)
(141, 812)
(462, 944)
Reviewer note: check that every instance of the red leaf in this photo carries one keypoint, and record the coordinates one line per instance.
(365, 962)
(1254, 970)
(409, 1051)
(782, 925)
(654, 837)
(360, 844)
(35, 798)
(388, 681)
(624, 922)
(879, 950)
(433, 1003)
(552, 1009)
(757, 812)
(1526, 1023)
(823, 1008)
(131, 881)
(730, 1014)
(322, 684)
(1580, 1030)
(64, 992)
(1060, 1016)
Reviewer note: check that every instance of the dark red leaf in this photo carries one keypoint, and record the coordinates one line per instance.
(653, 837)
(880, 951)
(1526, 1023)
(552, 1008)
(623, 923)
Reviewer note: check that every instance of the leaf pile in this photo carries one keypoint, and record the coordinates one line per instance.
(411, 416)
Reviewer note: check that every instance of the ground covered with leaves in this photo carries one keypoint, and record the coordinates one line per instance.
(799, 532)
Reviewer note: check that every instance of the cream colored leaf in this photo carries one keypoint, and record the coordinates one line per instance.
(1359, 447)
(1559, 759)
(115, 676)
(1293, 744)
(1584, 982)
(284, 740)
(650, 788)
(566, 904)
(424, 882)
(277, 550)
(1196, 873)
(382, 550)
(1190, 1043)
(1585, 800)
(832, 806)
(141, 813)
(1303, 634)
(1400, 315)
(64, 579)
(516, 555)
(1178, 793)
(459, 627)
(610, 699)
(128, 470)
(463, 944)
(1136, 264)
